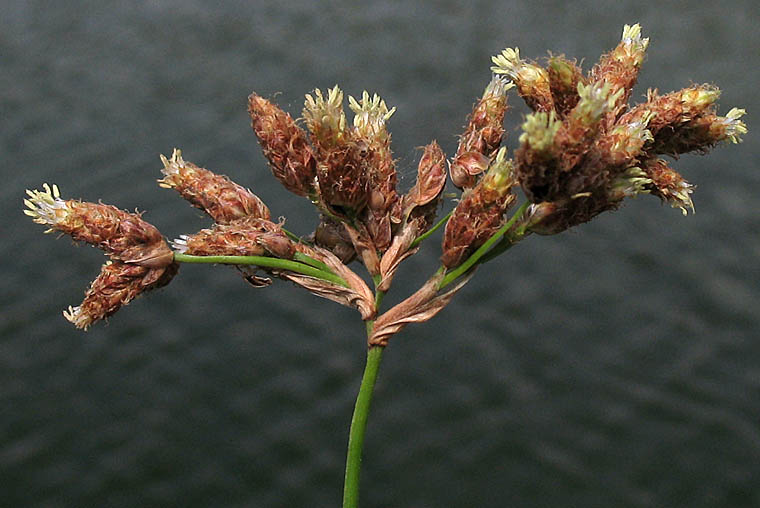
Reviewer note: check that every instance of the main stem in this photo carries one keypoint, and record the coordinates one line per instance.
(358, 427)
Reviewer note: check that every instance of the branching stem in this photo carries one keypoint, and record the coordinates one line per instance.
(266, 262)
(483, 249)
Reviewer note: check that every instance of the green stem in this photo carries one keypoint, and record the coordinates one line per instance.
(358, 427)
(308, 260)
(475, 257)
(430, 231)
(267, 262)
(361, 413)
(292, 236)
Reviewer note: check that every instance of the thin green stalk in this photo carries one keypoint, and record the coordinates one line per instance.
(359, 426)
(308, 260)
(475, 257)
(267, 262)
(505, 244)
(430, 231)
(292, 236)
(361, 413)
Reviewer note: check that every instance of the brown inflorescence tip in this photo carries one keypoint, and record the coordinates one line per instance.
(221, 198)
(285, 145)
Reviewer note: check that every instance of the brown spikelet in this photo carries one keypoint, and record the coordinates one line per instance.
(217, 195)
(620, 67)
(332, 236)
(248, 236)
(285, 145)
(564, 77)
(482, 136)
(124, 236)
(668, 185)
(531, 79)
(372, 139)
(480, 213)
(117, 285)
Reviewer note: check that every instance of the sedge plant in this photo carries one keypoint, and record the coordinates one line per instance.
(583, 150)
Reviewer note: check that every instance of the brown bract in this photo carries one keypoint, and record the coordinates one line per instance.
(422, 306)
(357, 294)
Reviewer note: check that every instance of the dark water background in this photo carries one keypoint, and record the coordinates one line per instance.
(614, 365)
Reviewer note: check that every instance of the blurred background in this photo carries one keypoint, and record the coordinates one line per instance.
(616, 364)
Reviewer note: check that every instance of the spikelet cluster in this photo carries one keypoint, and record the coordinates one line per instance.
(352, 179)
(140, 258)
(584, 150)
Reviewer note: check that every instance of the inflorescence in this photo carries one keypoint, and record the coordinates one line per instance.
(582, 151)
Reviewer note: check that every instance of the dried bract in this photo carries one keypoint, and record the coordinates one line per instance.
(418, 308)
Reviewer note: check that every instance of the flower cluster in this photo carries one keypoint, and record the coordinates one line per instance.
(581, 152)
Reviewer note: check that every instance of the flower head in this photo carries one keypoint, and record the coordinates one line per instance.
(480, 212)
(325, 117)
(371, 115)
(117, 285)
